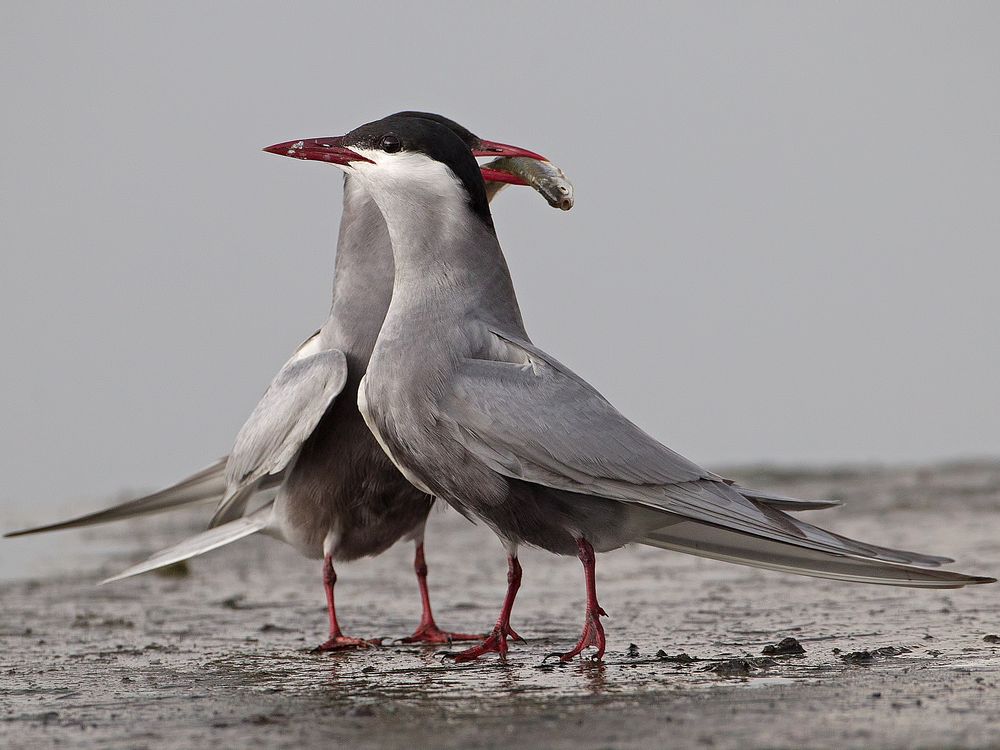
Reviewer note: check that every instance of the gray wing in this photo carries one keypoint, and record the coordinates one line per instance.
(283, 419)
(546, 417)
(207, 540)
(533, 419)
(207, 484)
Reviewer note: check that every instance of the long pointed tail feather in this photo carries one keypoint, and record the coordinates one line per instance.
(782, 502)
(719, 543)
(201, 543)
(207, 484)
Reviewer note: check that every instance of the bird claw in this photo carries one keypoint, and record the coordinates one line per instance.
(344, 643)
(495, 642)
(593, 635)
(433, 635)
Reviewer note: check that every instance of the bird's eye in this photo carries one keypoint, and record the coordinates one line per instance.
(391, 144)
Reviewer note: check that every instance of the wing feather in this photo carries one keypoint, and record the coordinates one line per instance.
(282, 421)
(207, 484)
(533, 419)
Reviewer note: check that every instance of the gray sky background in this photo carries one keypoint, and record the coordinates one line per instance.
(784, 248)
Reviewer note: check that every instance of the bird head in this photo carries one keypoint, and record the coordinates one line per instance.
(412, 154)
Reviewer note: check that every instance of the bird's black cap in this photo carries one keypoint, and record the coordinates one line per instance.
(470, 139)
(428, 135)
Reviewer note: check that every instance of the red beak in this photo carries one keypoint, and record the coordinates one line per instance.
(497, 175)
(492, 148)
(333, 151)
(329, 150)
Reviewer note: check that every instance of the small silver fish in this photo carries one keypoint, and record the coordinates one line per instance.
(543, 176)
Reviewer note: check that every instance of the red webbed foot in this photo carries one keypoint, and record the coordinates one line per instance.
(494, 643)
(432, 634)
(593, 635)
(344, 643)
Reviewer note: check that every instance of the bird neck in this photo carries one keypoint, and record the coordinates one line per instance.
(362, 278)
(447, 257)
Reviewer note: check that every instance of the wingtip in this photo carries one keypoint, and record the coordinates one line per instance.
(42, 529)
(146, 566)
(25, 532)
(961, 580)
(121, 576)
(136, 570)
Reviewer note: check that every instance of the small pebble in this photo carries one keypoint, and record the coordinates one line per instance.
(783, 647)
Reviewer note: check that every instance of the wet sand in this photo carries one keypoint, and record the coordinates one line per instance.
(220, 657)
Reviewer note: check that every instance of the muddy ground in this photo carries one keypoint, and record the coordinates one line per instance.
(220, 657)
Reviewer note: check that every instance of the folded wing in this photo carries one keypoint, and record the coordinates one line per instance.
(282, 421)
(532, 419)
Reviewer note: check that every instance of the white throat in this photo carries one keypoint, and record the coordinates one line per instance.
(421, 199)
(447, 259)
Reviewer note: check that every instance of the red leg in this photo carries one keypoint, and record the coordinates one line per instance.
(428, 631)
(337, 640)
(593, 631)
(496, 641)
